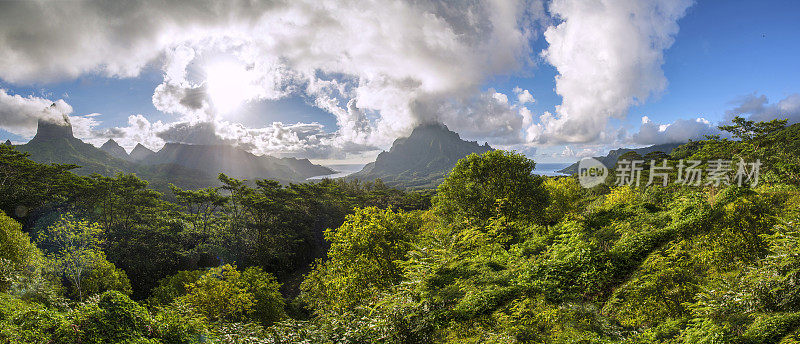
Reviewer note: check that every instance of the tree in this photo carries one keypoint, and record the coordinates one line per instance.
(363, 258)
(496, 183)
(746, 130)
(143, 234)
(171, 287)
(203, 206)
(630, 156)
(26, 185)
(220, 295)
(658, 156)
(268, 303)
(75, 253)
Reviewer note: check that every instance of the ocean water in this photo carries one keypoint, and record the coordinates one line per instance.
(549, 169)
(343, 169)
(545, 169)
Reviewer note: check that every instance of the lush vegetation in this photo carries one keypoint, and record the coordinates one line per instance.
(498, 255)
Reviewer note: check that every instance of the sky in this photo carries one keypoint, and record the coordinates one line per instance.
(339, 81)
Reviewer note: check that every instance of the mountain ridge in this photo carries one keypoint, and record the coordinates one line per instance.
(54, 143)
(236, 162)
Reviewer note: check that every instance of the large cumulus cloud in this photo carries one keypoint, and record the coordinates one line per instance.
(378, 67)
(608, 54)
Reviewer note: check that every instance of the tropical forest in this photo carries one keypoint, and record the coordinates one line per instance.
(496, 254)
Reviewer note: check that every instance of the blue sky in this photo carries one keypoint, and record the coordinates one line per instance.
(726, 49)
(722, 52)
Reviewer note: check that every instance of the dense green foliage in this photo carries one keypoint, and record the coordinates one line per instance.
(362, 259)
(19, 258)
(500, 256)
(495, 183)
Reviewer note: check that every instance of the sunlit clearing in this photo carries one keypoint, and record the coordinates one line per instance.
(227, 85)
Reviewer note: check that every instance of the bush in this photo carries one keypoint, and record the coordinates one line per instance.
(104, 277)
(112, 318)
(224, 294)
(171, 287)
(268, 302)
(18, 256)
(178, 323)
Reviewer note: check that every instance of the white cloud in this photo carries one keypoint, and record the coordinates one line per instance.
(304, 140)
(488, 116)
(569, 152)
(523, 96)
(84, 126)
(608, 54)
(370, 63)
(679, 131)
(379, 67)
(19, 114)
(46, 41)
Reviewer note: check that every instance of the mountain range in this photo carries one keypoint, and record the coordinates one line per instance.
(421, 160)
(233, 162)
(188, 166)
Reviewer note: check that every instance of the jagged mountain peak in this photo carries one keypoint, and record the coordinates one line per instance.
(422, 159)
(111, 143)
(140, 152)
(113, 148)
(8, 143)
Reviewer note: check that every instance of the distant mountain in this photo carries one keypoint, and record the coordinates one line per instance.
(114, 149)
(8, 143)
(54, 143)
(306, 168)
(421, 160)
(140, 153)
(188, 166)
(235, 162)
(610, 160)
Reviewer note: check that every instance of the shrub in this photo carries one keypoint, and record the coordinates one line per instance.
(112, 318)
(18, 256)
(224, 294)
(171, 287)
